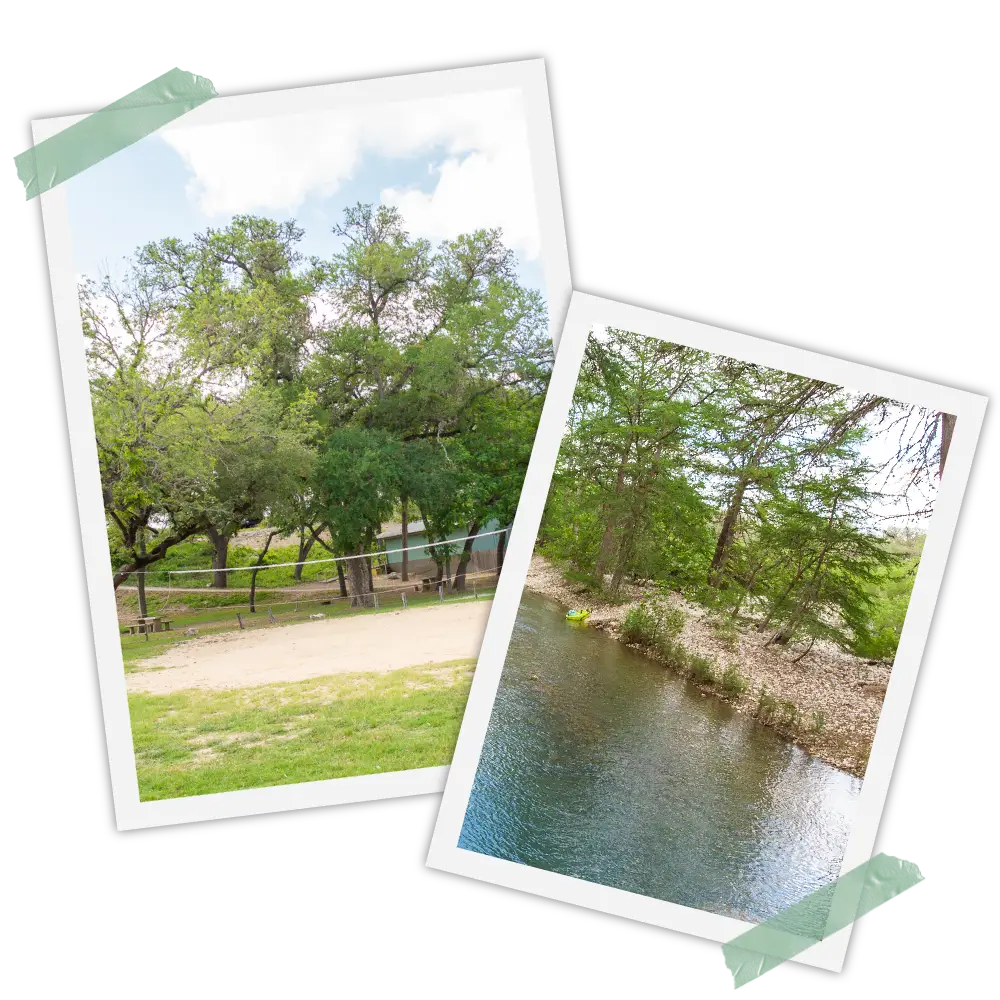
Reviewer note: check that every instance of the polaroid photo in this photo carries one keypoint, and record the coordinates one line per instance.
(305, 338)
(699, 661)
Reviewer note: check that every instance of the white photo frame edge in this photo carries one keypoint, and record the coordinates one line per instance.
(130, 813)
(585, 313)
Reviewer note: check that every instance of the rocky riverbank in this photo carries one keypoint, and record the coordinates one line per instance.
(829, 702)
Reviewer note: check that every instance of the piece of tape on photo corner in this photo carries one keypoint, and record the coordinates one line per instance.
(817, 916)
(110, 130)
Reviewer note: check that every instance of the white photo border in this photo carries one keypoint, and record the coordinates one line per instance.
(529, 77)
(587, 312)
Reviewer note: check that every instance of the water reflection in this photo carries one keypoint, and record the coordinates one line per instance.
(600, 764)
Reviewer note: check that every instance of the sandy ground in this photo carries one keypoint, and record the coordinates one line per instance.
(373, 643)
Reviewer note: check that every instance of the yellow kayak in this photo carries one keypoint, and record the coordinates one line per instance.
(578, 614)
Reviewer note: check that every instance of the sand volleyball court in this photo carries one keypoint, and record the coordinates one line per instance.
(375, 643)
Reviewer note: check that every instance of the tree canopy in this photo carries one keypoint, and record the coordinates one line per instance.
(234, 380)
(753, 490)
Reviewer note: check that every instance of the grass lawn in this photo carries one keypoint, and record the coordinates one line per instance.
(196, 742)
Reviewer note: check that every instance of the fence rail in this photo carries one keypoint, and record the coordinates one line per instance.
(276, 607)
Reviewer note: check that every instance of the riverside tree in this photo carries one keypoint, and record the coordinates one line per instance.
(745, 487)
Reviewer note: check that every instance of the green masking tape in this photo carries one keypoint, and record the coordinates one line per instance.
(111, 129)
(817, 916)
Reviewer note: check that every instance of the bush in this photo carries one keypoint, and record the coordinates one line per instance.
(673, 621)
(672, 653)
(819, 722)
(767, 705)
(640, 625)
(733, 682)
(702, 669)
(652, 623)
(588, 581)
(789, 713)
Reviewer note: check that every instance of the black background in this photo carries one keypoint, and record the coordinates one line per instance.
(800, 215)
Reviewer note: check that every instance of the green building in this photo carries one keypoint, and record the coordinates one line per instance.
(421, 565)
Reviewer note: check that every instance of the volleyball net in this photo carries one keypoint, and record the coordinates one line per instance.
(252, 590)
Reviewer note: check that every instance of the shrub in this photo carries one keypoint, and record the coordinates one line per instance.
(733, 682)
(588, 581)
(652, 623)
(672, 621)
(672, 653)
(702, 669)
(767, 705)
(819, 722)
(789, 713)
(640, 625)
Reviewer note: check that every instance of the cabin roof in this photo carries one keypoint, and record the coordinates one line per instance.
(395, 529)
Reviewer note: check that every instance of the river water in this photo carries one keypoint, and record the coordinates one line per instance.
(601, 764)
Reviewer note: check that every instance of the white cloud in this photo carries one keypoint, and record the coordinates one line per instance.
(274, 164)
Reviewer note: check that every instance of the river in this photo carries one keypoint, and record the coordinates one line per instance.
(601, 764)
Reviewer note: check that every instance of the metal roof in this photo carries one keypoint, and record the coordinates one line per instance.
(395, 529)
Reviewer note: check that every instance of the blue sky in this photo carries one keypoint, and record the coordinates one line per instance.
(449, 172)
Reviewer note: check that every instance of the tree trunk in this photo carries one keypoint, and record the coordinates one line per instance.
(625, 553)
(438, 562)
(463, 563)
(813, 588)
(608, 538)
(253, 575)
(501, 544)
(405, 539)
(947, 430)
(606, 551)
(724, 544)
(155, 555)
(141, 582)
(220, 557)
(340, 579)
(357, 576)
(305, 545)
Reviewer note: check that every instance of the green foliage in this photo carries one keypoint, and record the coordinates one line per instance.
(819, 722)
(650, 622)
(748, 489)
(640, 625)
(702, 669)
(586, 580)
(889, 594)
(767, 706)
(357, 477)
(733, 682)
(232, 381)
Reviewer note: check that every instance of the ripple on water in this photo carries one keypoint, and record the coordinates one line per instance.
(600, 764)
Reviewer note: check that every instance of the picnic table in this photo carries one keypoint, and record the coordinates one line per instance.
(151, 623)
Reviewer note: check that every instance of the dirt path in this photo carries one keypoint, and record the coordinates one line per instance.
(374, 643)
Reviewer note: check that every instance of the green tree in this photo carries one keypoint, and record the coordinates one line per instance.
(356, 483)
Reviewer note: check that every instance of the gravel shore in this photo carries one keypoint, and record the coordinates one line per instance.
(837, 698)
